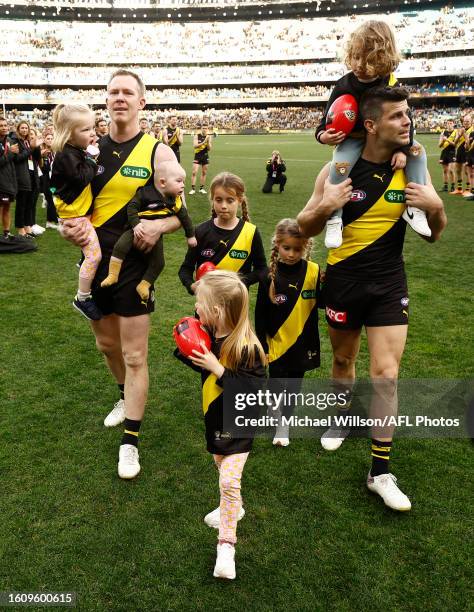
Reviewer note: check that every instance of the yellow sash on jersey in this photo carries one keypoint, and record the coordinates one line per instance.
(469, 139)
(174, 138)
(163, 212)
(78, 208)
(243, 242)
(392, 80)
(450, 140)
(200, 147)
(374, 223)
(135, 171)
(210, 391)
(292, 328)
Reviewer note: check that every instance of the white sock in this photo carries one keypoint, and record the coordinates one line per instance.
(81, 296)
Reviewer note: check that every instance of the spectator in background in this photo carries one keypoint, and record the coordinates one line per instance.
(101, 127)
(35, 142)
(24, 197)
(47, 158)
(276, 169)
(8, 184)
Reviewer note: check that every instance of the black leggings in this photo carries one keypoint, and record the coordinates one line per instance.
(51, 214)
(289, 380)
(280, 180)
(23, 205)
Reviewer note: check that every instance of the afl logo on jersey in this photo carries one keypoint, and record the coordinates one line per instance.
(100, 169)
(208, 253)
(280, 298)
(358, 195)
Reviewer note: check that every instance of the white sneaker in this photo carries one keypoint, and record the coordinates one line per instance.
(332, 439)
(128, 466)
(202, 190)
(192, 192)
(333, 238)
(116, 415)
(225, 562)
(213, 519)
(416, 218)
(281, 441)
(51, 225)
(37, 230)
(385, 485)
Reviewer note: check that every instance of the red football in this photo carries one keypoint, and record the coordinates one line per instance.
(204, 268)
(188, 334)
(342, 114)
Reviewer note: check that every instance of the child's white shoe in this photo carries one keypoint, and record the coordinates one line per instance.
(333, 238)
(213, 519)
(416, 218)
(277, 441)
(225, 562)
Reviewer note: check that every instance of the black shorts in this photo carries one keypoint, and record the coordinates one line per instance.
(5, 199)
(202, 160)
(351, 304)
(122, 298)
(461, 155)
(447, 157)
(470, 158)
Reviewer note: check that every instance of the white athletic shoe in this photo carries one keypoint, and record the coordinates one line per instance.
(225, 562)
(213, 519)
(277, 441)
(116, 415)
(128, 465)
(202, 190)
(192, 192)
(333, 238)
(416, 218)
(51, 225)
(385, 485)
(37, 230)
(332, 439)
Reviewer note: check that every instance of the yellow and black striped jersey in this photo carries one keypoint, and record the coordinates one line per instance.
(203, 145)
(374, 231)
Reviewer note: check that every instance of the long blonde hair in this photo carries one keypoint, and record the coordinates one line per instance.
(285, 228)
(375, 42)
(231, 182)
(225, 290)
(66, 117)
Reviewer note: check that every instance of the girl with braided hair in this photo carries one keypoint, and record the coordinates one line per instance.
(286, 314)
(229, 242)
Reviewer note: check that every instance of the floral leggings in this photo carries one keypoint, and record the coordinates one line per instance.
(230, 473)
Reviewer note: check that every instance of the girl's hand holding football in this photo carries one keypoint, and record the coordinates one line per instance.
(207, 361)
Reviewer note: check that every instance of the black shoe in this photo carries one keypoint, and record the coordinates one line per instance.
(87, 308)
(443, 189)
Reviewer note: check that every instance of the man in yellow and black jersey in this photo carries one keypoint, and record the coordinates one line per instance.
(172, 136)
(469, 145)
(126, 161)
(447, 157)
(365, 283)
(202, 143)
(460, 157)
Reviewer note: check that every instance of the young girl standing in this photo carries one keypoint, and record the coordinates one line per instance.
(222, 304)
(286, 314)
(72, 173)
(372, 56)
(227, 241)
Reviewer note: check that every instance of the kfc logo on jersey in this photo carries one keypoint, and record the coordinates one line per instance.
(358, 195)
(336, 316)
(280, 298)
(208, 253)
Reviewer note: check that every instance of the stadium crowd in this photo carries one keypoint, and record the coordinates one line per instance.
(264, 40)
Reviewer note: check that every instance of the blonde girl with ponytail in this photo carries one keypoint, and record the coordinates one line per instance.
(71, 177)
(222, 304)
(228, 241)
(286, 315)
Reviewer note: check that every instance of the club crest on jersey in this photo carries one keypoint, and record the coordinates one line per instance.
(280, 298)
(208, 253)
(137, 172)
(358, 195)
(350, 114)
(236, 254)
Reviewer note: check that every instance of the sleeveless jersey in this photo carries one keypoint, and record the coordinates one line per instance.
(374, 230)
(202, 147)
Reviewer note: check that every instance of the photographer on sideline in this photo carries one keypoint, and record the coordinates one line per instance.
(275, 173)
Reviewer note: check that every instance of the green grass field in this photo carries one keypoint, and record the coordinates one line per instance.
(313, 537)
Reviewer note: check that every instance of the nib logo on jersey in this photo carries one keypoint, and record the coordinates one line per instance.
(137, 172)
(236, 254)
(395, 196)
